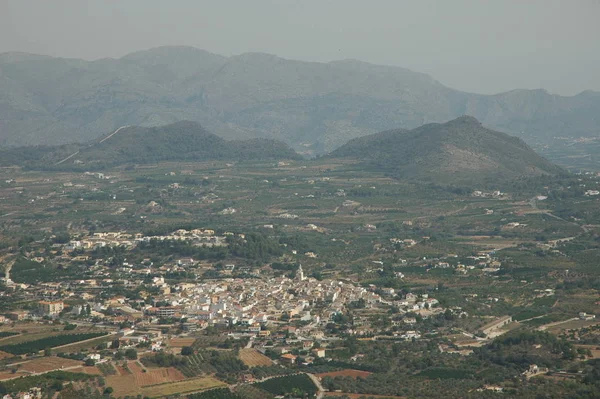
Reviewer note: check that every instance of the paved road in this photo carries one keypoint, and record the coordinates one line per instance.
(316, 381)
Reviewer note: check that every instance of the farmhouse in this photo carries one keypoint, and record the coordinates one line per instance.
(319, 352)
(48, 308)
(288, 358)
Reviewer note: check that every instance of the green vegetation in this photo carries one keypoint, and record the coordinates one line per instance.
(54, 381)
(30, 272)
(202, 362)
(50, 342)
(460, 151)
(254, 247)
(443, 373)
(299, 384)
(140, 145)
(220, 393)
(206, 362)
(4, 334)
(106, 368)
(250, 391)
(162, 359)
(341, 222)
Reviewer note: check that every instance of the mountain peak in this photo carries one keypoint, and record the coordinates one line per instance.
(465, 120)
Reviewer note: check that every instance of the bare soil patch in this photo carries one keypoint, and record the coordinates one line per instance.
(50, 363)
(181, 342)
(361, 395)
(253, 358)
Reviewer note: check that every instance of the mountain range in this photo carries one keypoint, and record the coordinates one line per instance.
(314, 107)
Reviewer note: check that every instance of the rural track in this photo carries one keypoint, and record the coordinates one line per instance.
(533, 204)
(315, 380)
(91, 145)
(40, 373)
(87, 340)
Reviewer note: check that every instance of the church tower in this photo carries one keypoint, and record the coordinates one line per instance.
(300, 273)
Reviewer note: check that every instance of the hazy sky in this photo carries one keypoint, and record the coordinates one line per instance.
(473, 45)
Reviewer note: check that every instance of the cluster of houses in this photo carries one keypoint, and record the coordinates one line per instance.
(32, 393)
(115, 239)
(254, 302)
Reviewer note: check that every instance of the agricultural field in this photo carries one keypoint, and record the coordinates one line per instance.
(46, 381)
(181, 387)
(54, 341)
(207, 341)
(89, 343)
(9, 375)
(345, 373)
(336, 395)
(134, 379)
(106, 368)
(5, 334)
(249, 391)
(48, 363)
(571, 325)
(180, 342)
(289, 384)
(91, 370)
(253, 358)
(158, 376)
(208, 362)
(219, 393)
(33, 332)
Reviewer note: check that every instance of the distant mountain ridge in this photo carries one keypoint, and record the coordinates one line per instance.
(315, 107)
(458, 151)
(181, 141)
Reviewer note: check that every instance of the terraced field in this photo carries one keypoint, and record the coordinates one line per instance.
(182, 387)
(253, 358)
(158, 376)
(135, 379)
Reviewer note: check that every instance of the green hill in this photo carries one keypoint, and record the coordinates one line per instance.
(181, 141)
(459, 151)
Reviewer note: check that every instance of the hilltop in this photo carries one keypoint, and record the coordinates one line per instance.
(181, 141)
(461, 150)
(314, 107)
